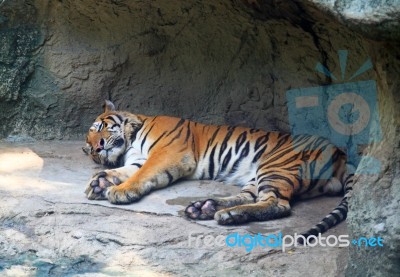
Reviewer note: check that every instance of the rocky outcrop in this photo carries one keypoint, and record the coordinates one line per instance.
(377, 19)
(375, 202)
(211, 61)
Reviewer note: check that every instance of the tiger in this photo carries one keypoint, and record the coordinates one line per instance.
(146, 153)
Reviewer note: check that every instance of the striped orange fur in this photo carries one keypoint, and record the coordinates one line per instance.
(273, 168)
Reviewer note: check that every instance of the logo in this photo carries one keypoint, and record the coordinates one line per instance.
(345, 113)
(271, 241)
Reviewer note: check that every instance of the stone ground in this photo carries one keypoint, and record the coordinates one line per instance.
(49, 228)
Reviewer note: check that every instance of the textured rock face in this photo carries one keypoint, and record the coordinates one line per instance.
(211, 61)
(378, 19)
(375, 203)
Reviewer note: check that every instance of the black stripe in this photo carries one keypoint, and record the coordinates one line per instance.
(336, 216)
(343, 211)
(278, 177)
(294, 167)
(251, 194)
(170, 178)
(245, 151)
(118, 142)
(252, 131)
(145, 138)
(270, 188)
(145, 129)
(137, 164)
(314, 179)
(321, 227)
(258, 155)
(240, 140)
(177, 126)
(328, 165)
(174, 138)
(111, 117)
(154, 143)
(243, 154)
(284, 152)
(188, 132)
(226, 160)
(261, 141)
(119, 117)
(210, 141)
(136, 129)
(286, 161)
(259, 176)
(282, 139)
(328, 221)
(224, 144)
(211, 161)
(312, 232)
(194, 149)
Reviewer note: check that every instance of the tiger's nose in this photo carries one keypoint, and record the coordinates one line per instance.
(100, 145)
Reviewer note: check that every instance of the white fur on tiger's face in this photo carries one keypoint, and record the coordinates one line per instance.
(272, 168)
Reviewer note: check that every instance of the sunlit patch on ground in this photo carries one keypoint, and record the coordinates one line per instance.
(20, 161)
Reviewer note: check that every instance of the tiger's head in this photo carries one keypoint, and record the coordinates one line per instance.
(105, 141)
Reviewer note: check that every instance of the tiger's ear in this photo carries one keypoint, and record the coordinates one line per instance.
(108, 106)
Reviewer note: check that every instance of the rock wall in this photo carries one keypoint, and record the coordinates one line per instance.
(211, 61)
(228, 62)
(375, 202)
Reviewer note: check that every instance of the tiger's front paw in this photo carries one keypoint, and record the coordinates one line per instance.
(100, 183)
(231, 216)
(123, 194)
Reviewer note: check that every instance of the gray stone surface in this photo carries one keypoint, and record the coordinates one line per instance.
(378, 19)
(376, 200)
(48, 227)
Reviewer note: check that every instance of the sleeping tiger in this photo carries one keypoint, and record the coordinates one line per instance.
(149, 153)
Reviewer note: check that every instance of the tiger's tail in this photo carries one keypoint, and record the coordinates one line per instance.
(338, 215)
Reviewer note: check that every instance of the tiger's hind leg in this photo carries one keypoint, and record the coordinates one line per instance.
(206, 209)
(272, 202)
